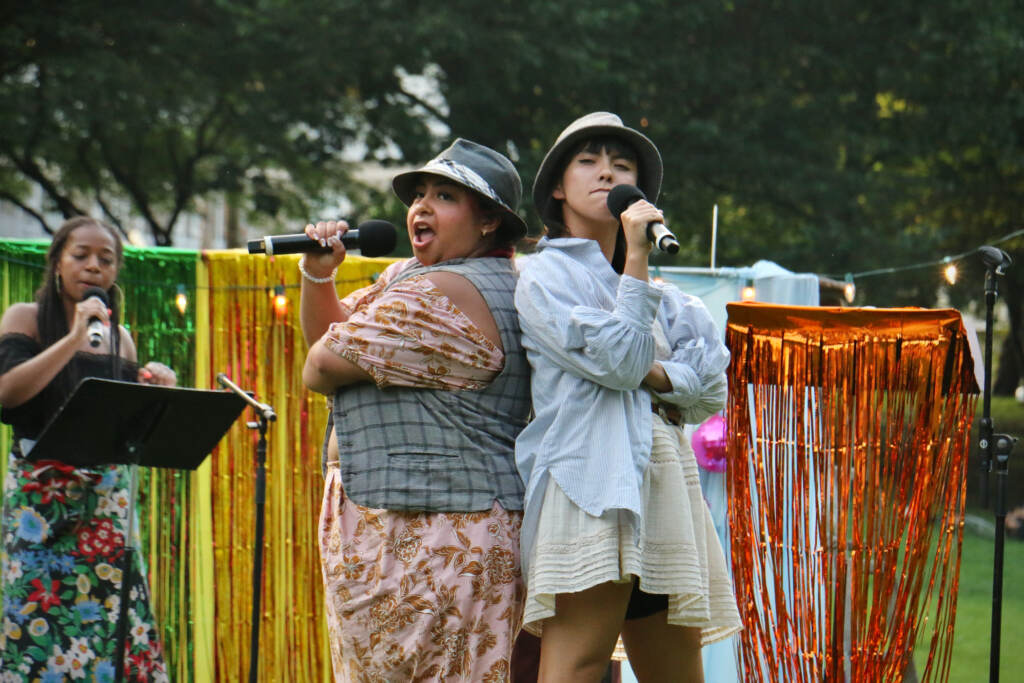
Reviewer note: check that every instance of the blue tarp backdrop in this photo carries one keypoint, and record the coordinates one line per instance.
(772, 284)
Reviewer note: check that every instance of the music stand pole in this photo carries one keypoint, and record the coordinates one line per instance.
(265, 414)
(120, 635)
(995, 452)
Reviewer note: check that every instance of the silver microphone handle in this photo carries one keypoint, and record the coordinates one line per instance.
(95, 332)
(662, 238)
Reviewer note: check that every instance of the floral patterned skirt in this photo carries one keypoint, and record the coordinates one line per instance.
(63, 533)
(419, 596)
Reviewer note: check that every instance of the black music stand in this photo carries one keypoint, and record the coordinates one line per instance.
(108, 422)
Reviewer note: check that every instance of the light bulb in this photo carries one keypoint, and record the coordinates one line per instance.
(181, 299)
(280, 301)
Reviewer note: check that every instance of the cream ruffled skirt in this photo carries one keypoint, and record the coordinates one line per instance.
(675, 552)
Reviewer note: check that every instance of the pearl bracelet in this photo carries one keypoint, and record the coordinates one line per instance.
(318, 280)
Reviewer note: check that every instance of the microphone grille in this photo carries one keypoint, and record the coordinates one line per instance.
(376, 238)
(994, 257)
(97, 292)
(621, 196)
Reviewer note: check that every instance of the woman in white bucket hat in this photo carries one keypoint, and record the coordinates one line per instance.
(616, 535)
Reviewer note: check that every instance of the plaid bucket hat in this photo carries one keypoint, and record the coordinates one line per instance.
(478, 168)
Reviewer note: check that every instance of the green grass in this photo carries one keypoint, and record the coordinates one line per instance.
(971, 637)
(1007, 415)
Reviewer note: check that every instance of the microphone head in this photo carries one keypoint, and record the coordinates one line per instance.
(995, 258)
(621, 196)
(376, 238)
(97, 292)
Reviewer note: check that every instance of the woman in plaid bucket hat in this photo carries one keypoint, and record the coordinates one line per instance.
(429, 387)
(616, 535)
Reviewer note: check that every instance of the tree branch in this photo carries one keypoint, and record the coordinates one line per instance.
(27, 209)
(161, 234)
(434, 111)
(33, 171)
(81, 151)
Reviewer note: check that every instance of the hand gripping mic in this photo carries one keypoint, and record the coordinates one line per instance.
(619, 199)
(372, 238)
(95, 324)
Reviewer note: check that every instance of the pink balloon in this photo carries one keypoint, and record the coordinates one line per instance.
(709, 444)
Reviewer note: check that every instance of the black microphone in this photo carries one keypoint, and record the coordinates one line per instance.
(619, 199)
(995, 259)
(95, 324)
(372, 238)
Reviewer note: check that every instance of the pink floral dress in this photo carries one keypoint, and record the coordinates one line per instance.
(417, 596)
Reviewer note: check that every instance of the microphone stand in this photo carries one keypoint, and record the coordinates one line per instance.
(265, 415)
(995, 452)
(120, 635)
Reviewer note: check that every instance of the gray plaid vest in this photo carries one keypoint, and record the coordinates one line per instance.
(443, 451)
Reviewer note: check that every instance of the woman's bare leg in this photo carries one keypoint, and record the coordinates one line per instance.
(577, 643)
(658, 651)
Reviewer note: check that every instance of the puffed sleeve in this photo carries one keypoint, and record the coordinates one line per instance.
(365, 295)
(412, 335)
(699, 358)
(564, 319)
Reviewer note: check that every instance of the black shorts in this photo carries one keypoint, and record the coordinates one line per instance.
(644, 604)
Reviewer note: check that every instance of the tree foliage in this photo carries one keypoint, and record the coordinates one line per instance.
(836, 138)
(163, 103)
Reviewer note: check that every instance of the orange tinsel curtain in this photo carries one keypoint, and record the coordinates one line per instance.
(261, 348)
(848, 438)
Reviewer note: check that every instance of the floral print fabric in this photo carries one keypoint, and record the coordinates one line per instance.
(419, 596)
(413, 337)
(63, 536)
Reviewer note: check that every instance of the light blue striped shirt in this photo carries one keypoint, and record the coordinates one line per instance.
(588, 334)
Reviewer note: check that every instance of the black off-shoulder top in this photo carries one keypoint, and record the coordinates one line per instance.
(30, 417)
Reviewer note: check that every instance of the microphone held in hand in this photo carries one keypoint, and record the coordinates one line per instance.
(372, 238)
(95, 324)
(619, 199)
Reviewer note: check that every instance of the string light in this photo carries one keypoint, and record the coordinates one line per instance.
(950, 271)
(850, 289)
(181, 299)
(280, 301)
(748, 292)
(946, 260)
